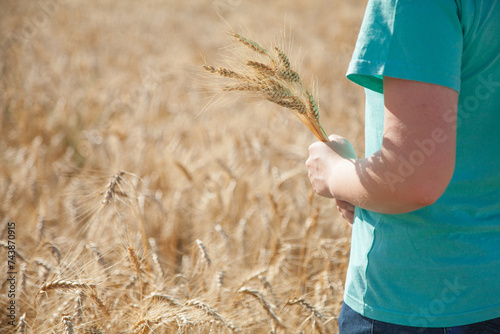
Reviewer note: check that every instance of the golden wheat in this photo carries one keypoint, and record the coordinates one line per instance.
(6, 246)
(265, 304)
(99, 303)
(212, 313)
(97, 254)
(163, 297)
(277, 82)
(78, 308)
(136, 264)
(54, 250)
(156, 258)
(21, 326)
(98, 127)
(62, 284)
(307, 306)
(67, 324)
(203, 252)
(111, 187)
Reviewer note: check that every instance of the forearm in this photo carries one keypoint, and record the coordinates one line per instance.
(416, 160)
(379, 183)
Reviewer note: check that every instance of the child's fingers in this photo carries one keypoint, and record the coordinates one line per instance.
(346, 209)
(345, 205)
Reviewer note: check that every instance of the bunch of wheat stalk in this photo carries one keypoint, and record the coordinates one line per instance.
(277, 82)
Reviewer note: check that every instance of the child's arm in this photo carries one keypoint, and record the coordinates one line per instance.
(417, 159)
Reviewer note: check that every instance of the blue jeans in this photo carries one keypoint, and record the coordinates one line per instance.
(351, 322)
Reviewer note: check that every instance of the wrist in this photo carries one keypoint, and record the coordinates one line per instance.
(340, 178)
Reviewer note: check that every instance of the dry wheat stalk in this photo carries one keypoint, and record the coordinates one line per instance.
(97, 254)
(243, 232)
(99, 302)
(79, 300)
(22, 277)
(54, 250)
(223, 235)
(163, 297)
(154, 255)
(205, 308)
(43, 273)
(67, 324)
(40, 228)
(41, 262)
(204, 252)
(113, 182)
(212, 313)
(182, 320)
(136, 265)
(277, 82)
(220, 278)
(115, 190)
(184, 171)
(226, 168)
(265, 304)
(307, 306)
(268, 286)
(252, 277)
(134, 260)
(62, 284)
(4, 226)
(21, 325)
(6, 246)
(315, 316)
(144, 324)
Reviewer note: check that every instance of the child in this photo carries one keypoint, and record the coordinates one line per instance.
(425, 202)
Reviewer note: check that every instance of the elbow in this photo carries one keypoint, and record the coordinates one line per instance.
(424, 193)
(412, 200)
(413, 197)
(426, 199)
(419, 192)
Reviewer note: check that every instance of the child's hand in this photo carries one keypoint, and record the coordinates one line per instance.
(346, 209)
(323, 157)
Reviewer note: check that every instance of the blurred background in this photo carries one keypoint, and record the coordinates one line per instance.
(111, 140)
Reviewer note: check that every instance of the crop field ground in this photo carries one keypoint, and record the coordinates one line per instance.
(134, 198)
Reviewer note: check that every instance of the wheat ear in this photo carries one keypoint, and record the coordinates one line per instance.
(203, 252)
(110, 191)
(163, 297)
(277, 82)
(62, 284)
(212, 313)
(134, 260)
(67, 324)
(307, 306)
(99, 302)
(265, 304)
(21, 325)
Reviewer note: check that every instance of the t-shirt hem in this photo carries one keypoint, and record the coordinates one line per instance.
(422, 320)
(369, 74)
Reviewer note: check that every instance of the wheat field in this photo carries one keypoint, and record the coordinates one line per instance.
(136, 199)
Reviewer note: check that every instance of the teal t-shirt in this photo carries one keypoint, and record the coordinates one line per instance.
(438, 266)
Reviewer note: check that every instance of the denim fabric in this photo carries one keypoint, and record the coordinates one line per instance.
(351, 322)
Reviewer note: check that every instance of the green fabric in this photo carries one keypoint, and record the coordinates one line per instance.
(438, 266)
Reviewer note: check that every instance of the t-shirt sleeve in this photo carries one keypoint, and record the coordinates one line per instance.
(418, 40)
